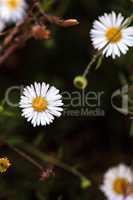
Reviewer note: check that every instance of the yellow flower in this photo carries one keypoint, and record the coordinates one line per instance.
(4, 164)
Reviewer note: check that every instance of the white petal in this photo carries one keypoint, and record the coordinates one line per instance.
(37, 89)
(119, 20)
(113, 19)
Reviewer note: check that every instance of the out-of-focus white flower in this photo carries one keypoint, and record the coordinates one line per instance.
(116, 181)
(109, 28)
(2, 25)
(129, 197)
(40, 103)
(12, 10)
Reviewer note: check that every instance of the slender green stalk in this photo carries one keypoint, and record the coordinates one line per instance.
(93, 60)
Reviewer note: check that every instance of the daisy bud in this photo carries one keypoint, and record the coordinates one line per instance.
(80, 82)
(70, 22)
(4, 164)
(85, 183)
(40, 32)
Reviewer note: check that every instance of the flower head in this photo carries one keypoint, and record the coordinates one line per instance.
(110, 30)
(116, 181)
(40, 103)
(4, 164)
(12, 10)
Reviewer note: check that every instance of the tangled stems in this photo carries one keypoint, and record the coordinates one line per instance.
(34, 25)
(44, 157)
(98, 57)
(85, 182)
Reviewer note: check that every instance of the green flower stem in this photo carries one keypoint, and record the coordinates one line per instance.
(99, 62)
(129, 21)
(93, 60)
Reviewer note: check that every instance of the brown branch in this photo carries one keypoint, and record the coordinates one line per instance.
(20, 41)
(16, 37)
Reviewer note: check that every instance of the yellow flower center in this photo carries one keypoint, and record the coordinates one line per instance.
(120, 185)
(4, 164)
(12, 4)
(39, 104)
(114, 35)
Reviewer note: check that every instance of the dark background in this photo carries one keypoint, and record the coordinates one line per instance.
(92, 144)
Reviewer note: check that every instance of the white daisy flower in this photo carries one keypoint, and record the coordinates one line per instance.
(40, 103)
(110, 28)
(116, 181)
(12, 10)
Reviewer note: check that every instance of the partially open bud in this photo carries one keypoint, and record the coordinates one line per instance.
(70, 22)
(80, 82)
(40, 32)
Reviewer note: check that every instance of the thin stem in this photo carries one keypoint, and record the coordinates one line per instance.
(93, 60)
(25, 156)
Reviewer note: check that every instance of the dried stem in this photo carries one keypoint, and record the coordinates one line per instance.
(17, 36)
(27, 157)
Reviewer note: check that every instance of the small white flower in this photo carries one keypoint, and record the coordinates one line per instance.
(40, 103)
(116, 181)
(109, 29)
(12, 10)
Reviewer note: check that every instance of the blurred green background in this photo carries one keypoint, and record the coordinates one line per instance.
(91, 144)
